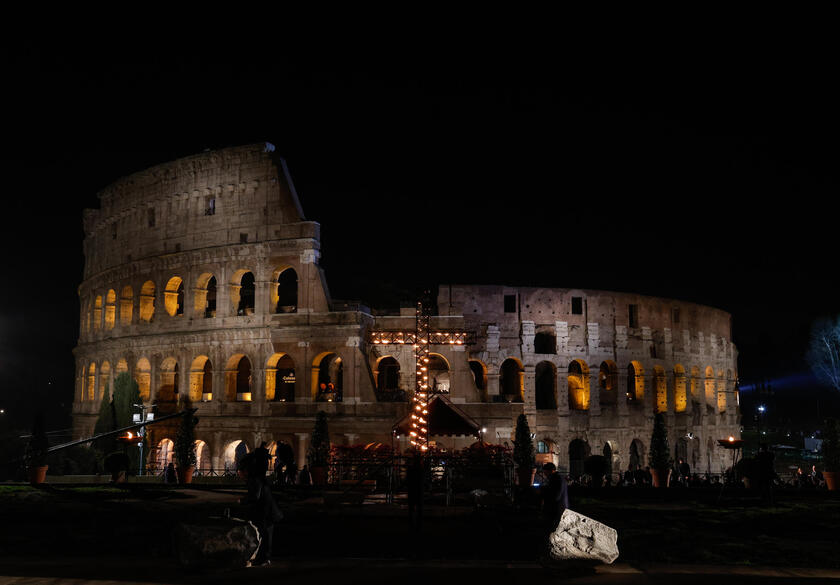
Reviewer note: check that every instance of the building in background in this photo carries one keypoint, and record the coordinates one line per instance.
(202, 281)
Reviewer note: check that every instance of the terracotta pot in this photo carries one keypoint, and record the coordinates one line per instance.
(37, 474)
(319, 474)
(526, 476)
(661, 477)
(185, 474)
(832, 480)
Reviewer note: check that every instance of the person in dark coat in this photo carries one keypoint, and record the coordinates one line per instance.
(414, 484)
(261, 459)
(262, 509)
(554, 494)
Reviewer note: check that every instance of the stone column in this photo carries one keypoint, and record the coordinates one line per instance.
(594, 392)
(302, 446)
(621, 394)
(223, 301)
(530, 403)
(563, 391)
(262, 296)
(492, 384)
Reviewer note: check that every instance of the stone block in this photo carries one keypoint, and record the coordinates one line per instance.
(217, 543)
(580, 537)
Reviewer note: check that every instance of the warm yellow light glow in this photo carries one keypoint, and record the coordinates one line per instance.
(731, 439)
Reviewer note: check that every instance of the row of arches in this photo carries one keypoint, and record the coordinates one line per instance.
(106, 311)
(235, 380)
(709, 387)
(634, 458)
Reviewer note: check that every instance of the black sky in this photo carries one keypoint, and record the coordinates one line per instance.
(705, 172)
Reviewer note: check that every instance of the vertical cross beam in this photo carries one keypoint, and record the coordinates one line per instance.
(420, 402)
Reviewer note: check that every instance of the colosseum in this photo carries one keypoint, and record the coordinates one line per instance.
(202, 278)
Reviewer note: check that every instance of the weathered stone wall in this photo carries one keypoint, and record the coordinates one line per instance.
(135, 320)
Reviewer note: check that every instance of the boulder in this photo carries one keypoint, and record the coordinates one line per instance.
(580, 537)
(216, 543)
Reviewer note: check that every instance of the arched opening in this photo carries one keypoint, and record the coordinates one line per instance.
(578, 385)
(147, 302)
(479, 373)
(242, 293)
(285, 292)
(661, 386)
(511, 380)
(122, 366)
(280, 378)
(201, 379)
(143, 377)
(635, 383)
(91, 382)
(438, 373)
(238, 379)
(328, 375)
(710, 387)
(721, 392)
(578, 452)
(126, 306)
(608, 382)
(203, 460)
(387, 375)
(680, 395)
(173, 296)
(545, 380)
(636, 455)
(234, 452)
(205, 295)
(168, 391)
(165, 454)
(104, 380)
(97, 312)
(110, 309)
(545, 343)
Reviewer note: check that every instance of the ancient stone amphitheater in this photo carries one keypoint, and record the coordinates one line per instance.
(202, 280)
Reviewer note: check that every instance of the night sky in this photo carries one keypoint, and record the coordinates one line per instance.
(704, 173)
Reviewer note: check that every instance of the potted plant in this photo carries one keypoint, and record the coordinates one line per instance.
(319, 449)
(523, 452)
(36, 452)
(660, 465)
(831, 453)
(116, 464)
(749, 470)
(185, 448)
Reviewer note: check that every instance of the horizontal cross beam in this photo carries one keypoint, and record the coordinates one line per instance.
(410, 337)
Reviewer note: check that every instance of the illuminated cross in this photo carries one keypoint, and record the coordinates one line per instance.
(421, 338)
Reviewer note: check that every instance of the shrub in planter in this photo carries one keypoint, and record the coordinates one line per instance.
(749, 469)
(36, 451)
(596, 467)
(831, 453)
(319, 449)
(116, 464)
(658, 456)
(524, 453)
(185, 458)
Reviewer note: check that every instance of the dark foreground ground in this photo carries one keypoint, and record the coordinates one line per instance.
(125, 535)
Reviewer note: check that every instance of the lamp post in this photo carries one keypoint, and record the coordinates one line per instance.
(142, 417)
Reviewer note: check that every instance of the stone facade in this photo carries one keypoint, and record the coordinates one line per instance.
(202, 279)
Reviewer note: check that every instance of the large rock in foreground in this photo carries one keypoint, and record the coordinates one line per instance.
(580, 537)
(217, 543)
